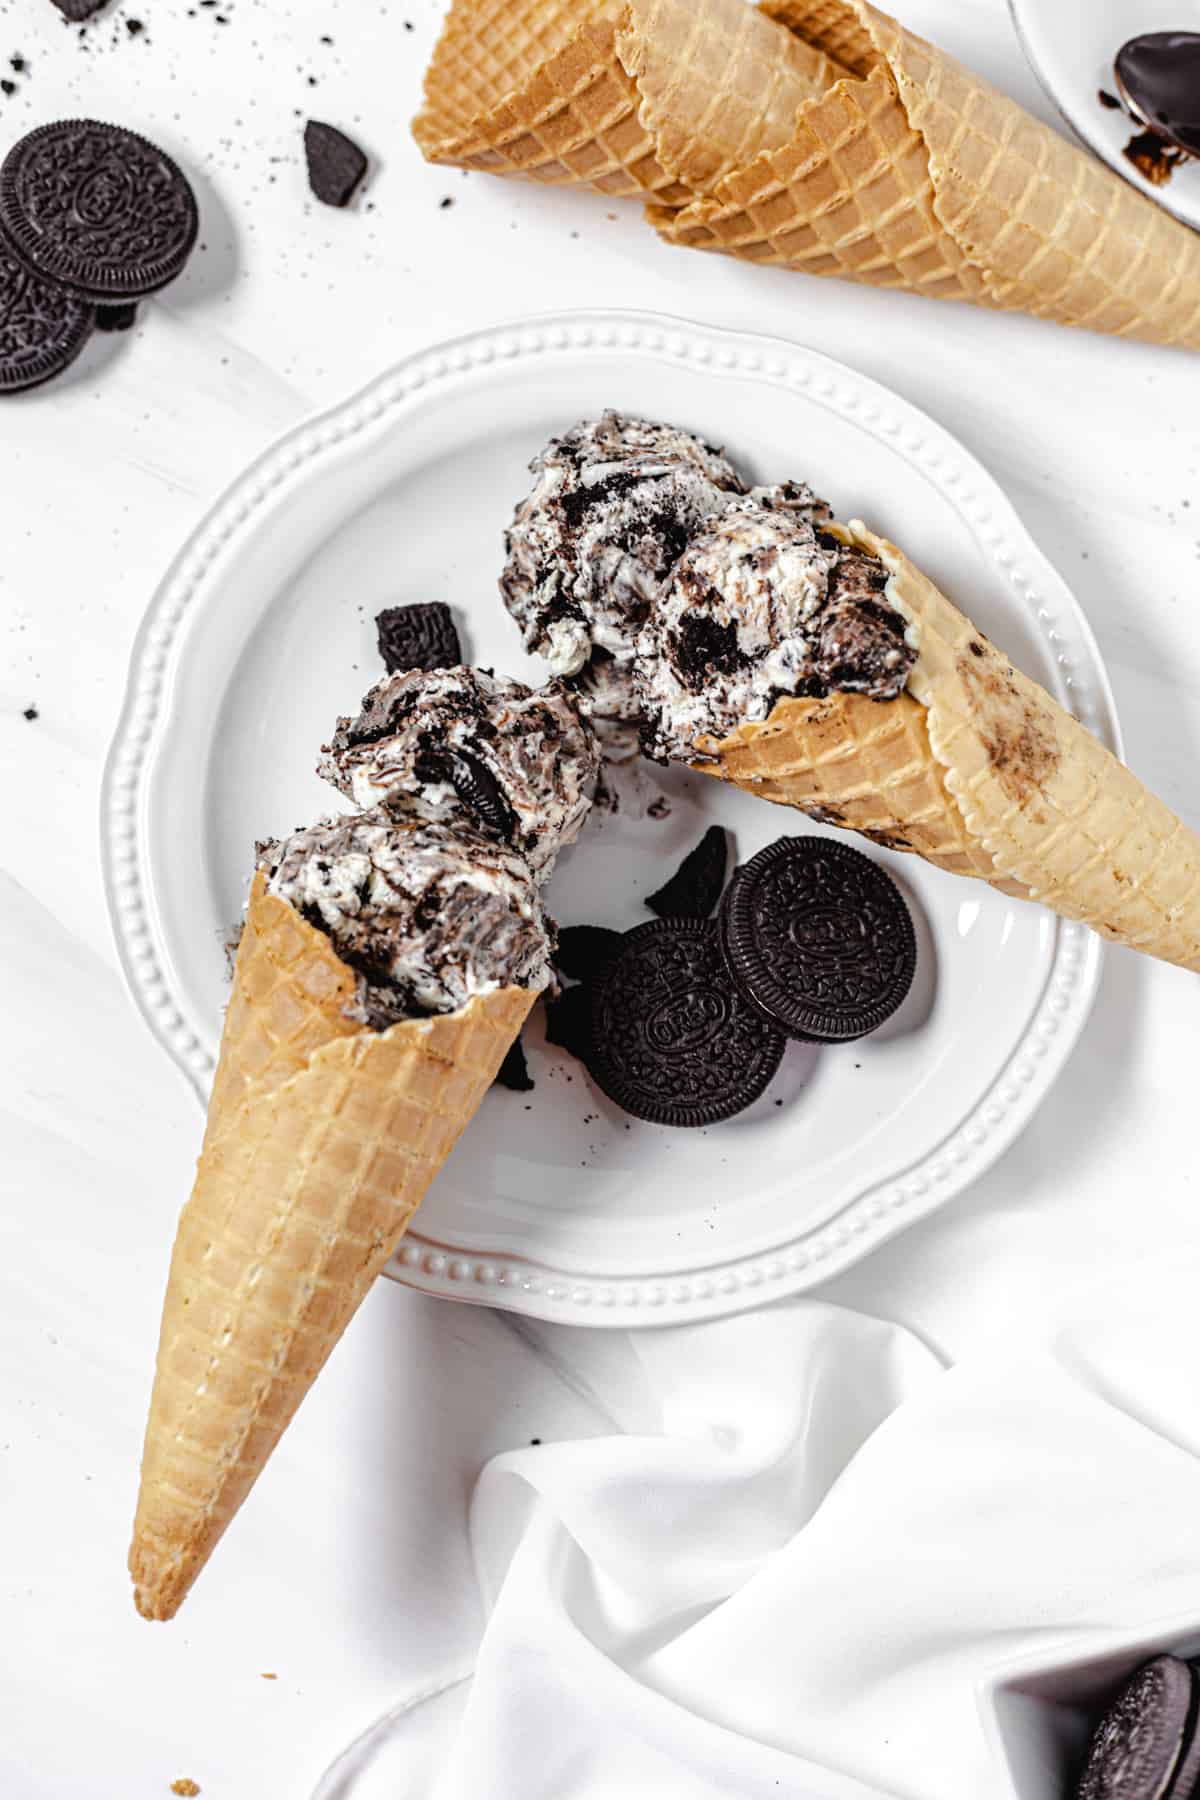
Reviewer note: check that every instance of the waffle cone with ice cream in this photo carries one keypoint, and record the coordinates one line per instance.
(815, 135)
(979, 770)
(323, 1136)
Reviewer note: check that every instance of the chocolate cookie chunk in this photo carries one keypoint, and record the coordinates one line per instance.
(474, 784)
(116, 318)
(672, 1040)
(421, 636)
(513, 1072)
(819, 939)
(98, 209)
(696, 885)
(585, 950)
(1143, 1743)
(568, 1021)
(336, 165)
(42, 327)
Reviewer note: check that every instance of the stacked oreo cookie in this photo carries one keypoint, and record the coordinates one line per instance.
(93, 218)
(684, 1020)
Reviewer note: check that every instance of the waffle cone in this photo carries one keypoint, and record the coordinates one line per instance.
(535, 88)
(911, 172)
(322, 1139)
(976, 768)
(657, 98)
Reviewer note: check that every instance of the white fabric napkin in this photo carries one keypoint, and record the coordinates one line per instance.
(811, 1578)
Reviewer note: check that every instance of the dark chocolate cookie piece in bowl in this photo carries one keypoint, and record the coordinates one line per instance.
(672, 1039)
(1142, 1742)
(819, 939)
(42, 326)
(98, 209)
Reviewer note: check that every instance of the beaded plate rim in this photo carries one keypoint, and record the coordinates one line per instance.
(732, 1284)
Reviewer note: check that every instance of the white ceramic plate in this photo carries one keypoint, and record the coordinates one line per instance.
(555, 1203)
(1071, 45)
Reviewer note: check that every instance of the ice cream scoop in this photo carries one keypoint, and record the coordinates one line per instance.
(763, 603)
(613, 506)
(428, 915)
(463, 744)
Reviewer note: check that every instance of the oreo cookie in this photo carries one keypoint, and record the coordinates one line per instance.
(1145, 1744)
(696, 885)
(819, 939)
(335, 163)
(421, 636)
(672, 1039)
(42, 327)
(98, 209)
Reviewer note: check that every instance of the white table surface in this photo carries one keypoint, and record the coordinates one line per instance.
(348, 1575)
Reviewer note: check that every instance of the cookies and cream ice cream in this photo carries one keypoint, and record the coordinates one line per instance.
(763, 603)
(463, 744)
(427, 914)
(614, 504)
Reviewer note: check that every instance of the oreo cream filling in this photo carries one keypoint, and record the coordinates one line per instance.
(428, 915)
(465, 745)
(762, 604)
(614, 504)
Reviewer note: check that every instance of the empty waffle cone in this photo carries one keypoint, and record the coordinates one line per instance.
(322, 1139)
(976, 768)
(656, 98)
(912, 172)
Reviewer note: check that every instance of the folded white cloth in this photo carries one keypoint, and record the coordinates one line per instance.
(816, 1575)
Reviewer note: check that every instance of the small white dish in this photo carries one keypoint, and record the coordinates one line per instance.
(1071, 44)
(555, 1203)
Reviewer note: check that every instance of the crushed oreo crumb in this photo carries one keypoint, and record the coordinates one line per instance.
(31, 713)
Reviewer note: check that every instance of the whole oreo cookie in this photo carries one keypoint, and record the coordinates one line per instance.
(98, 209)
(1145, 1743)
(42, 327)
(672, 1040)
(819, 939)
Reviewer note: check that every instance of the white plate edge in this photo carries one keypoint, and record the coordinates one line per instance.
(1079, 126)
(883, 1210)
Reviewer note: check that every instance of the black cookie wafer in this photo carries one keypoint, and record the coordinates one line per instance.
(672, 1039)
(97, 208)
(42, 327)
(336, 164)
(513, 1072)
(585, 950)
(421, 636)
(696, 885)
(819, 939)
(1141, 1745)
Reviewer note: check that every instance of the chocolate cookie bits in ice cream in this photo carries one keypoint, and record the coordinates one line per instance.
(614, 504)
(465, 745)
(763, 603)
(427, 916)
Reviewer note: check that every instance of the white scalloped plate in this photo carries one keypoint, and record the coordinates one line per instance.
(554, 1203)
